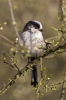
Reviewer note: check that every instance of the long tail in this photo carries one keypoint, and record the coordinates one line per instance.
(34, 75)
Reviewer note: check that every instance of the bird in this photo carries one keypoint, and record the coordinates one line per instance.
(32, 38)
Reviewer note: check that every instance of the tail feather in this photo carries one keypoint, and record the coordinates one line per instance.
(34, 76)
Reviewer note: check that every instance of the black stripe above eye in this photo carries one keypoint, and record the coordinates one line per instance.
(36, 25)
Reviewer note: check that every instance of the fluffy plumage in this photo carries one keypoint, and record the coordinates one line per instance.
(33, 40)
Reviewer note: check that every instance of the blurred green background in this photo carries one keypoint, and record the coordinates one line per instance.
(45, 11)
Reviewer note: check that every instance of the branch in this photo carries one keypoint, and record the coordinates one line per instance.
(63, 88)
(7, 39)
(13, 80)
(13, 21)
(62, 16)
(47, 52)
(61, 12)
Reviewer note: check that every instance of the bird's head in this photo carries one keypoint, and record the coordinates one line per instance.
(33, 26)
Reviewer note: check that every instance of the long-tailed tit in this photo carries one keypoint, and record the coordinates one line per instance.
(32, 39)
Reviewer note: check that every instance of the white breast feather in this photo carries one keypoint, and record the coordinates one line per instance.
(33, 41)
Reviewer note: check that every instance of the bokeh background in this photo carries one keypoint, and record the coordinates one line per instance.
(45, 11)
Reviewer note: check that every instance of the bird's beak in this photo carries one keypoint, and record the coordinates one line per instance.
(32, 29)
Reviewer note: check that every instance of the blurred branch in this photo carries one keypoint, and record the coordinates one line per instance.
(13, 20)
(61, 12)
(8, 64)
(61, 17)
(63, 88)
(7, 39)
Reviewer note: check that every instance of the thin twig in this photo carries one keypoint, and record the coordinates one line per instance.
(41, 66)
(7, 39)
(13, 80)
(13, 63)
(13, 21)
(10, 65)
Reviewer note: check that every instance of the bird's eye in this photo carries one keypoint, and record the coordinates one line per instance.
(41, 30)
(36, 27)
